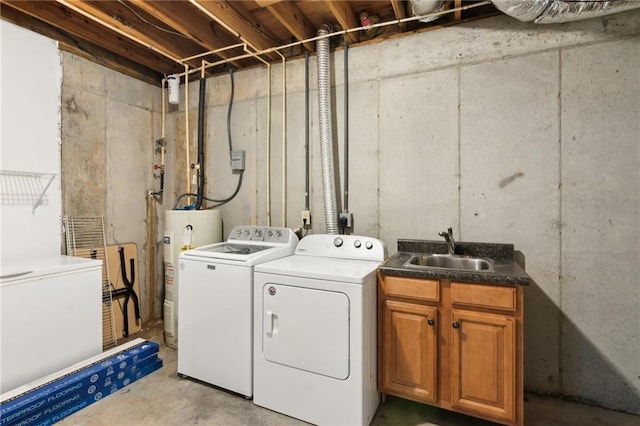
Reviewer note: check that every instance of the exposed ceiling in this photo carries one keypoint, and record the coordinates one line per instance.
(151, 39)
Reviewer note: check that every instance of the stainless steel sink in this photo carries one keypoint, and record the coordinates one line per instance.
(450, 261)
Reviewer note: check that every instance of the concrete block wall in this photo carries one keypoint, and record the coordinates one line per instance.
(507, 132)
(109, 126)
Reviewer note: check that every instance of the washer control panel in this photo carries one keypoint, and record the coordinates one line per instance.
(261, 233)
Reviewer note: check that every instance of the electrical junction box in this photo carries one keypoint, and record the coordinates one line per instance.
(237, 161)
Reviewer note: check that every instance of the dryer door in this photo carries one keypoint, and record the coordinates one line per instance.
(306, 329)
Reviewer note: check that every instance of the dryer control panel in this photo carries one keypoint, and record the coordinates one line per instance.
(354, 247)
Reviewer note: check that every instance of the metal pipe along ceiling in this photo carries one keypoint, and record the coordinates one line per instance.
(558, 11)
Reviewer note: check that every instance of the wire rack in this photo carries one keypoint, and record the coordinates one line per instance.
(85, 238)
(20, 188)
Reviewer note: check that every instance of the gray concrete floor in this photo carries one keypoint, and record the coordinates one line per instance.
(163, 398)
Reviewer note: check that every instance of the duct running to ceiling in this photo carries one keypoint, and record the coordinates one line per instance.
(558, 11)
(326, 138)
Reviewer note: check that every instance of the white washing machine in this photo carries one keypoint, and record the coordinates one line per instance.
(315, 331)
(216, 305)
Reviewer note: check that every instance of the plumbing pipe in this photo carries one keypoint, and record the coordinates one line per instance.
(164, 107)
(284, 140)
(326, 140)
(258, 52)
(306, 130)
(268, 155)
(268, 144)
(186, 127)
(345, 201)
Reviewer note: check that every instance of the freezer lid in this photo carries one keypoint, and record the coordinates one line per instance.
(36, 268)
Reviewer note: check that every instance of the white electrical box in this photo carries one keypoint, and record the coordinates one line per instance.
(237, 161)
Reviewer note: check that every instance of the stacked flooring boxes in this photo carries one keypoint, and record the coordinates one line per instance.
(52, 398)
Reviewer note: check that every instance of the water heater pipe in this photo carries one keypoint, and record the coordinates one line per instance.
(326, 139)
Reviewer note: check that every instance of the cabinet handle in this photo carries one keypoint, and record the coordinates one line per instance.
(456, 324)
(430, 321)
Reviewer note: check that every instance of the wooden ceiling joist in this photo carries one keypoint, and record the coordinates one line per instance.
(181, 17)
(289, 15)
(232, 20)
(400, 11)
(151, 38)
(75, 24)
(83, 48)
(346, 17)
(116, 20)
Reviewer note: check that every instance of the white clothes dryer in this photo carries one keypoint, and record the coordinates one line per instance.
(215, 321)
(315, 346)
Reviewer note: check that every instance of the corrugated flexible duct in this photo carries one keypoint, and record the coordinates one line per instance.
(423, 7)
(558, 11)
(326, 136)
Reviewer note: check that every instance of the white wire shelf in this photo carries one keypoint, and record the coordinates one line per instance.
(24, 188)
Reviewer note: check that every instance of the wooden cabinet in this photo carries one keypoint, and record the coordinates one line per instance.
(410, 351)
(451, 344)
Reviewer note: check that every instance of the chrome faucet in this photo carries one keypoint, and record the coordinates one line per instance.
(448, 237)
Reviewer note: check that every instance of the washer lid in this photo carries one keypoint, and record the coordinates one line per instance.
(324, 268)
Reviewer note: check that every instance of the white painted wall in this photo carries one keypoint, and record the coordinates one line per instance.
(31, 78)
(508, 132)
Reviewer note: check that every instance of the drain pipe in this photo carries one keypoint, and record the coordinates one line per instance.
(306, 130)
(558, 11)
(326, 139)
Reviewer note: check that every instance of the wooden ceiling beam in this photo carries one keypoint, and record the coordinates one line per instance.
(233, 21)
(346, 17)
(292, 18)
(82, 48)
(75, 24)
(400, 11)
(183, 17)
(114, 16)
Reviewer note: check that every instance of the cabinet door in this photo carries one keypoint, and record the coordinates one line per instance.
(483, 363)
(409, 350)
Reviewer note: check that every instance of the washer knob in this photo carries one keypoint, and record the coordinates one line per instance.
(368, 245)
(338, 242)
(357, 243)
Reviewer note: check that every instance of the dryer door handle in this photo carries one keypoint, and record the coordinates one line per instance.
(269, 322)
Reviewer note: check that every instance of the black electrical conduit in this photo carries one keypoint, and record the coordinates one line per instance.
(201, 167)
(201, 128)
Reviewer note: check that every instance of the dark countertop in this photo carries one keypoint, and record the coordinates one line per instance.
(506, 270)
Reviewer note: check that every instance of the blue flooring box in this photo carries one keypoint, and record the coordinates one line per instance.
(97, 376)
